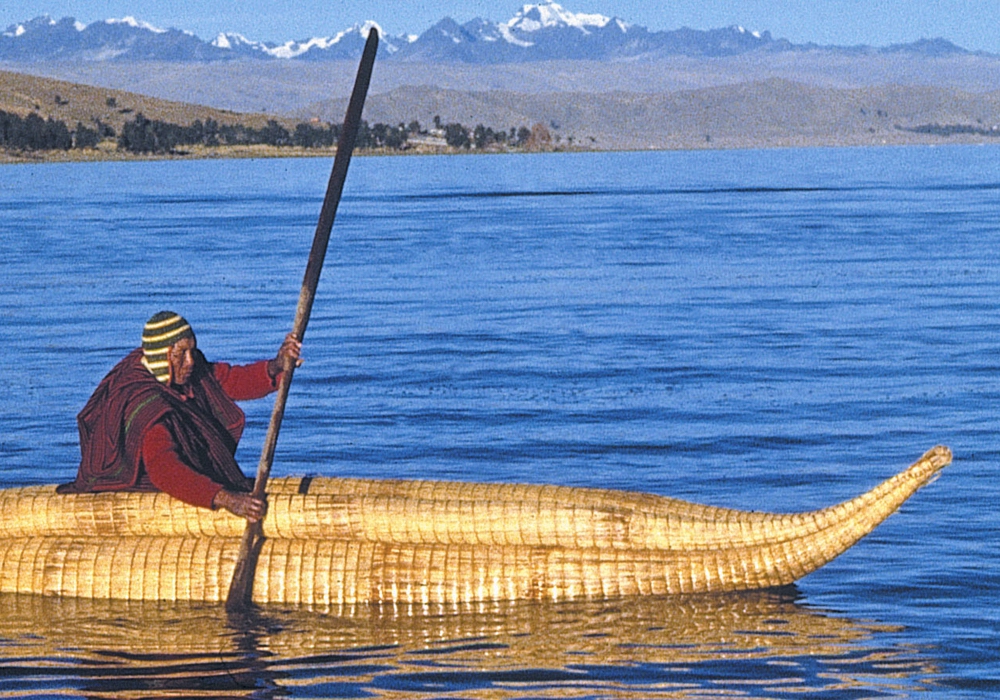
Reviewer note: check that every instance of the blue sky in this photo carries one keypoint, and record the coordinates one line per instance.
(973, 24)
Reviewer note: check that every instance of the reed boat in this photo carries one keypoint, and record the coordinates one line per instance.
(332, 541)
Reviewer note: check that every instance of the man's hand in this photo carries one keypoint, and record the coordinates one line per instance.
(288, 353)
(242, 504)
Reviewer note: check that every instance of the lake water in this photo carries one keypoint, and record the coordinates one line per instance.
(771, 330)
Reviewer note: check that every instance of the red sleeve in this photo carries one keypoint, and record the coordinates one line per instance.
(171, 475)
(245, 382)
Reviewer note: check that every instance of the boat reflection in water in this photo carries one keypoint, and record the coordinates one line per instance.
(752, 644)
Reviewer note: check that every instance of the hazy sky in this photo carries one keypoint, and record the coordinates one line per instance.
(973, 24)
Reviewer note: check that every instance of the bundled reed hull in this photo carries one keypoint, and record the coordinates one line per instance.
(349, 541)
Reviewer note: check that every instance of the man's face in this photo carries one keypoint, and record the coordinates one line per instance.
(181, 359)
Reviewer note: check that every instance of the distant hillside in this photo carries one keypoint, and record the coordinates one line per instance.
(287, 88)
(71, 103)
(774, 112)
(762, 114)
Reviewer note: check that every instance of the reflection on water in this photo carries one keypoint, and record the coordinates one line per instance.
(757, 645)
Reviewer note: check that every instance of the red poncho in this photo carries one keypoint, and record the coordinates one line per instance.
(138, 434)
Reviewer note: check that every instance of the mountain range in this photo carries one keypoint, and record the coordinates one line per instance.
(537, 32)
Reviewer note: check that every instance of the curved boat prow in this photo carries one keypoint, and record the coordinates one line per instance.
(887, 497)
(798, 544)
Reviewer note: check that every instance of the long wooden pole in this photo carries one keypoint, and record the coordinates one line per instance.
(241, 587)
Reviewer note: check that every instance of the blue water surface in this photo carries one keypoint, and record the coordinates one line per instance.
(769, 330)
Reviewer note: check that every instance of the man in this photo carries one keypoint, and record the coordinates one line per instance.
(166, 419)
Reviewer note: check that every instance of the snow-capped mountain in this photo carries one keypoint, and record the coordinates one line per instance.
(347, 44)
(128, 39)
(45, 39)
(536, 32)
(542, 31)
(547, 31)
(549, 15)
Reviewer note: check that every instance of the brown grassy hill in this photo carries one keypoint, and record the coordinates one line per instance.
(71, 103)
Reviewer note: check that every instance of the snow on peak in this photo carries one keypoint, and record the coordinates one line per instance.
(509, 37)
(40, 22)
(387, 44)
(550, 14)
(229, 40)
(744, 30)
(136, 24)
(292, 49)
(15, 30)
(367, 27)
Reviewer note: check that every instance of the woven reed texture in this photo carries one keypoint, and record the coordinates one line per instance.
(430, 512)
(337, 572)
(352, 541)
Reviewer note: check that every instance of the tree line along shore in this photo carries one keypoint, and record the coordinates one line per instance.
(35, 138)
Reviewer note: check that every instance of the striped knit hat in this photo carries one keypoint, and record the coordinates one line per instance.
(160, 332)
